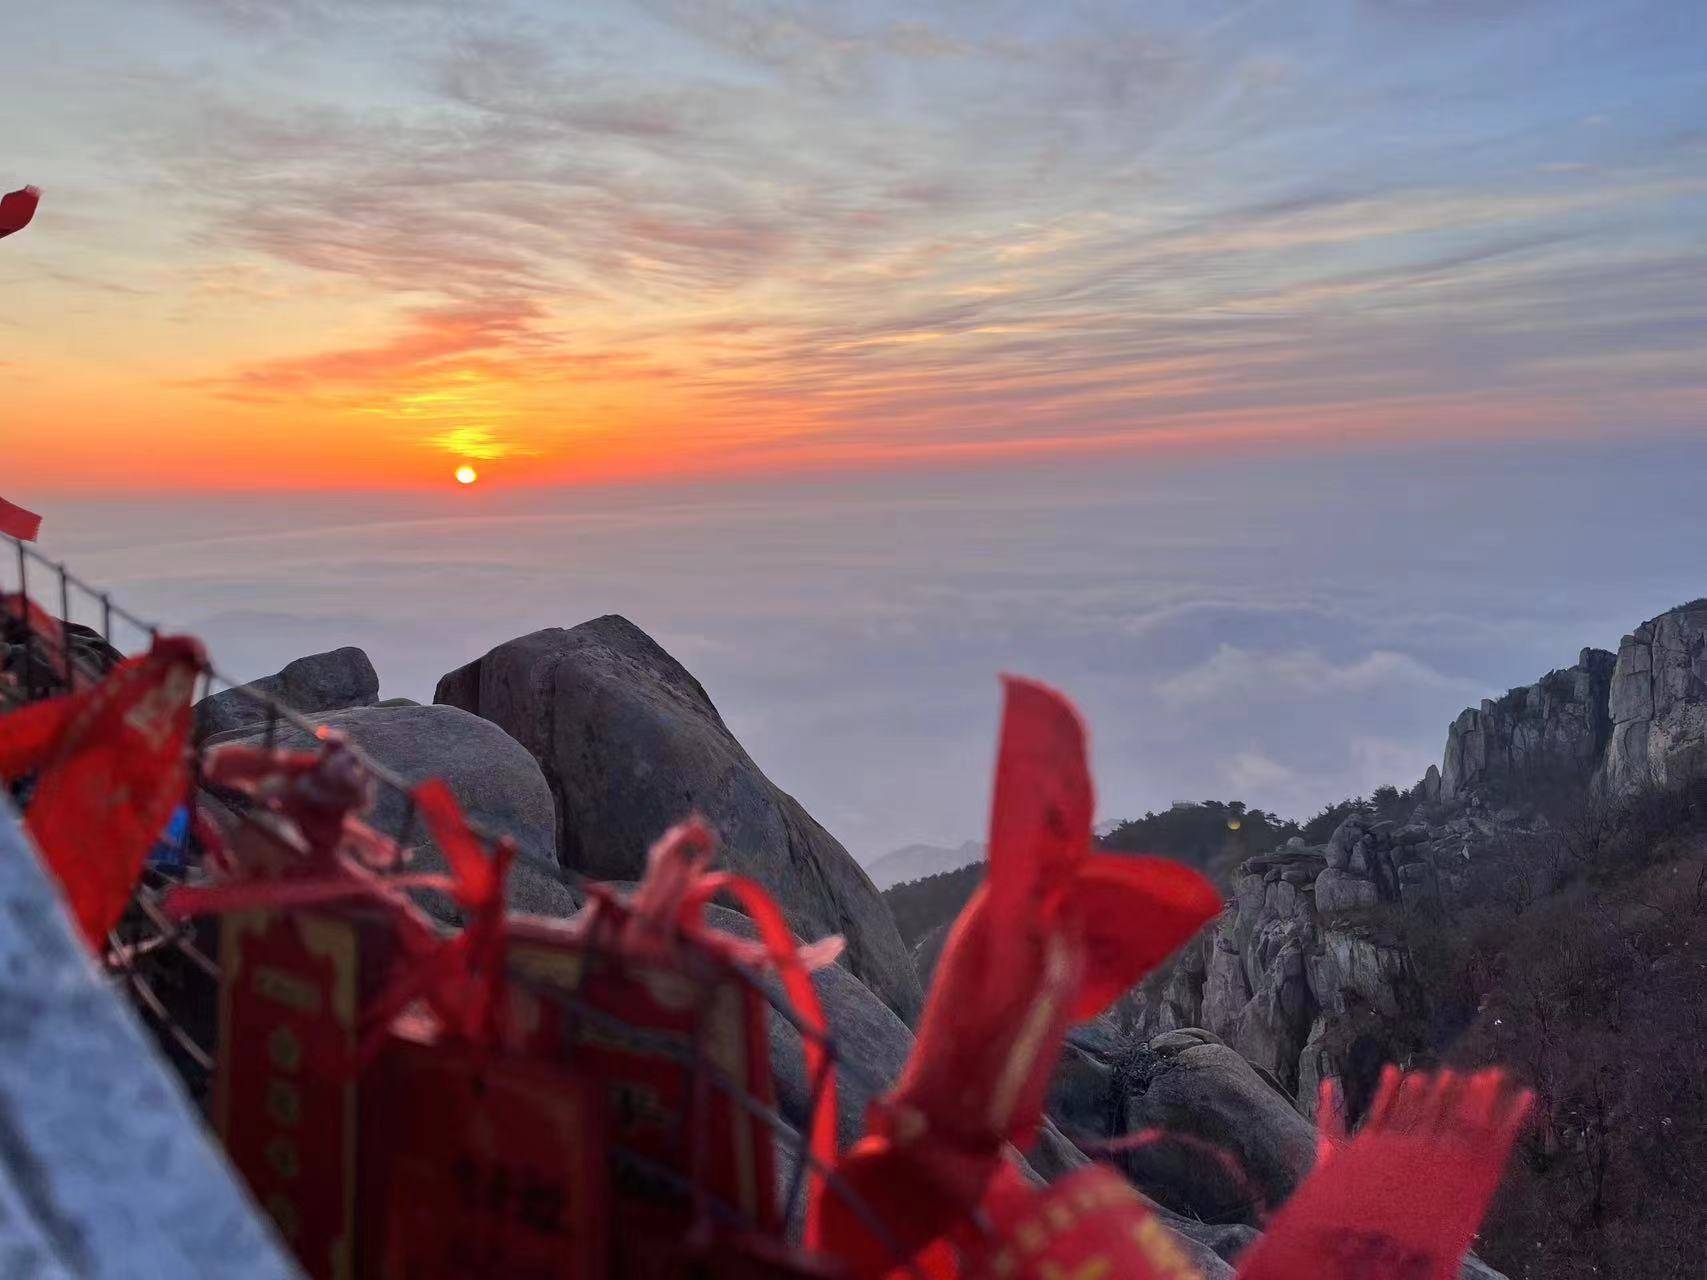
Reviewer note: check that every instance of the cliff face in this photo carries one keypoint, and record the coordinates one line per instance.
(1658, 702)
(1559, 722)
(1302, 975)
(1298, 968)
(1627, 720)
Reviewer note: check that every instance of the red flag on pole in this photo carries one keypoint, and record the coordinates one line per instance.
(17, 208)
(112, 764)
(14, 520)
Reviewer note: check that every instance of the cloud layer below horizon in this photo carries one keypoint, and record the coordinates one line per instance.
(340, 242)
(1282, 631)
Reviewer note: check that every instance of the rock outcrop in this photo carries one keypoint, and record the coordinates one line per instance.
(1561, 722)
(1302, 961)
(1659, 702)
(1624, 721)
(1189, 1085)
(1305, 974)
(493, 777)
(319, 682)
(630, 744)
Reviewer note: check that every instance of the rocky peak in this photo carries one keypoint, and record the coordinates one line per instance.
(1561, 722)
(1658, 702)
(630, 744)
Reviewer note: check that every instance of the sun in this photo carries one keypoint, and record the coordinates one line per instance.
(466, 474)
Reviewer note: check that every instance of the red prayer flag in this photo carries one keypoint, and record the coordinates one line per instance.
(478, 1165)
(112, 764)
(655, 1110)
(1056, 933)
(1402, 1200)
(284, 1096)
(18, 523)
(17, 208)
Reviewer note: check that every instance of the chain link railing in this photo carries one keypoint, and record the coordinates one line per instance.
(169, 969)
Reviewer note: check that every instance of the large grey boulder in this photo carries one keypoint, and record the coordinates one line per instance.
(1659, 703)
(1343, 891)
(496, 781)
(1207, 1093)
(631, 744)
(319, 682)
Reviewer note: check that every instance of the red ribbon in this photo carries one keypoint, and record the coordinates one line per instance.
(112, 764)
(793, 965)
(1053, 936)
(1403, 1198)
(461, 979)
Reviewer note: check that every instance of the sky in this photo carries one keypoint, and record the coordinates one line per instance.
(354, 243)
(1276, 378)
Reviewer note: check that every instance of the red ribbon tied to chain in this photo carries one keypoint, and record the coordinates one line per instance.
(668, 908)
(1403, 1198)
(1056, 933)
(330, 853)
(111, 763)
(17, 208)
(462, 978)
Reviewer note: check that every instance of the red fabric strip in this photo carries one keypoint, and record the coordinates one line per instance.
(1403, 1199)
(20, 524)
(113, 764)
(785, 955)
(1055, 934)
(17, 208)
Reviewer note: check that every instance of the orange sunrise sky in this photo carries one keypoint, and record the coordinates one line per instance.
(321, 245)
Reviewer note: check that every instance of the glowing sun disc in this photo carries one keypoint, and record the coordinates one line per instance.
(466, 475)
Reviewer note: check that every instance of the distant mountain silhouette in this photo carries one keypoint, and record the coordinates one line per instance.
(916, 861)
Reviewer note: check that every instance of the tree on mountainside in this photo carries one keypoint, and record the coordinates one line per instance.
(1213, 836)
(1578, 955)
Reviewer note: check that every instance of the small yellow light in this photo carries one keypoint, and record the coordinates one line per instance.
(466, 475)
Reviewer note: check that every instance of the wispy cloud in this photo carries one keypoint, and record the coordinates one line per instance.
(477, 442)
(872, 231)
(436, 338)
(1235, 676)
